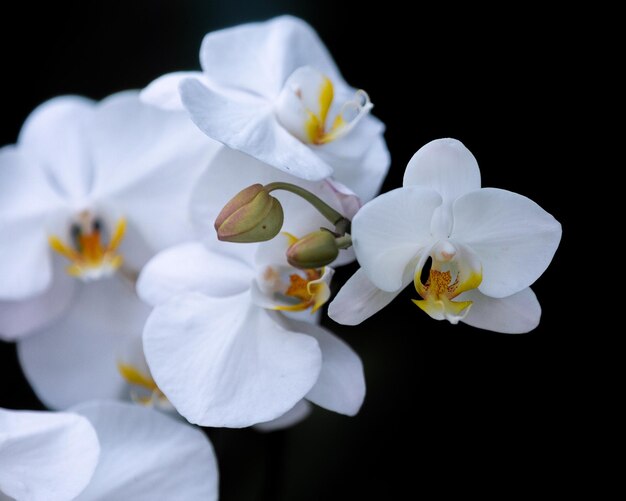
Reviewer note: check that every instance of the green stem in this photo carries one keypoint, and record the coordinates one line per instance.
(324, 209)
(344, 242)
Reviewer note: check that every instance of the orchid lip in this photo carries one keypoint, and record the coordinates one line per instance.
(91, 258)
(306, 289)
(307, 107)
(453, 270)
(285, 288)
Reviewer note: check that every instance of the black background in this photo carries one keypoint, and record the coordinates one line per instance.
(447, 406)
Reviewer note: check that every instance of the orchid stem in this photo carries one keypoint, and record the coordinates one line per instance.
(344, 242)
(342, 224)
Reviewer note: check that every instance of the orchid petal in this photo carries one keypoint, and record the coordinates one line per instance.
(514, 238)
(192, 267)
(516, 314)
(226, 362)
(449, 168)
(142, 156)
(75, 359)
(21, 318)
(164, 92)
(446, 166)
(249, 125)
(53, 134)
(45, 456)
(259, 57)
(146, 455)
(359, 299)
(26, 198)
(341, 383)
(389, 231)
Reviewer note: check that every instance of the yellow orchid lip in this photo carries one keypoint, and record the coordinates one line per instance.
(309, 109)
(90, 258)
(311, 291)
(315, 126)
(450, 275)
(286, 288)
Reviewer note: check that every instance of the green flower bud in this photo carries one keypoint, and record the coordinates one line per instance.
(252, 215)
(315, 250)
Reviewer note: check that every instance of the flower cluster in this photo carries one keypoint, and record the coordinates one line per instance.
(175, 248)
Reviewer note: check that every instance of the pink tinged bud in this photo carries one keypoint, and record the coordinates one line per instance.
(315, 250)
(250, 216)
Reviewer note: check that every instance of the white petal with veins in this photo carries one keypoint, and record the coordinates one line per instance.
(226, 362)
(514, 238)
(45, 456)
(146, 455)
(389, 232)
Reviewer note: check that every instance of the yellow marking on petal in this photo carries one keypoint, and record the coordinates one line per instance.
(291, 239)
(292, 307)
(320, 292)
(439, 282)
(315, 124)
(311, 291)
(340, 127)
(116, 261)
(472, 282)
(339, 122)
(132, 375)
(308, 117)
(58, 246)
(337, 129)
(74, 270)
(118, 234)
(439, 290)
(312, 127)
(443, 308)
(142, 400)
(298, 287)
(327, 94)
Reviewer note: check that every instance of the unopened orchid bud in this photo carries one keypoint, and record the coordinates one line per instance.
(315, 250)
(252, 215)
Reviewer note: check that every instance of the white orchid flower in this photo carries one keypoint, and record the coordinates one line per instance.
(217, 343)
(45, 456)
(87, 195)
(272, 90)
(104, 451)
(471, 252)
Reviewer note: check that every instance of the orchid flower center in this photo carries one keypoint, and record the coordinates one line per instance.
(301, 291)
(91, 258)
(309, 109)
(453, 270)
(144, 390)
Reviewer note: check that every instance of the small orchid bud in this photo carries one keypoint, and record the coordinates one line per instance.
(252, 215)
(315, 250)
